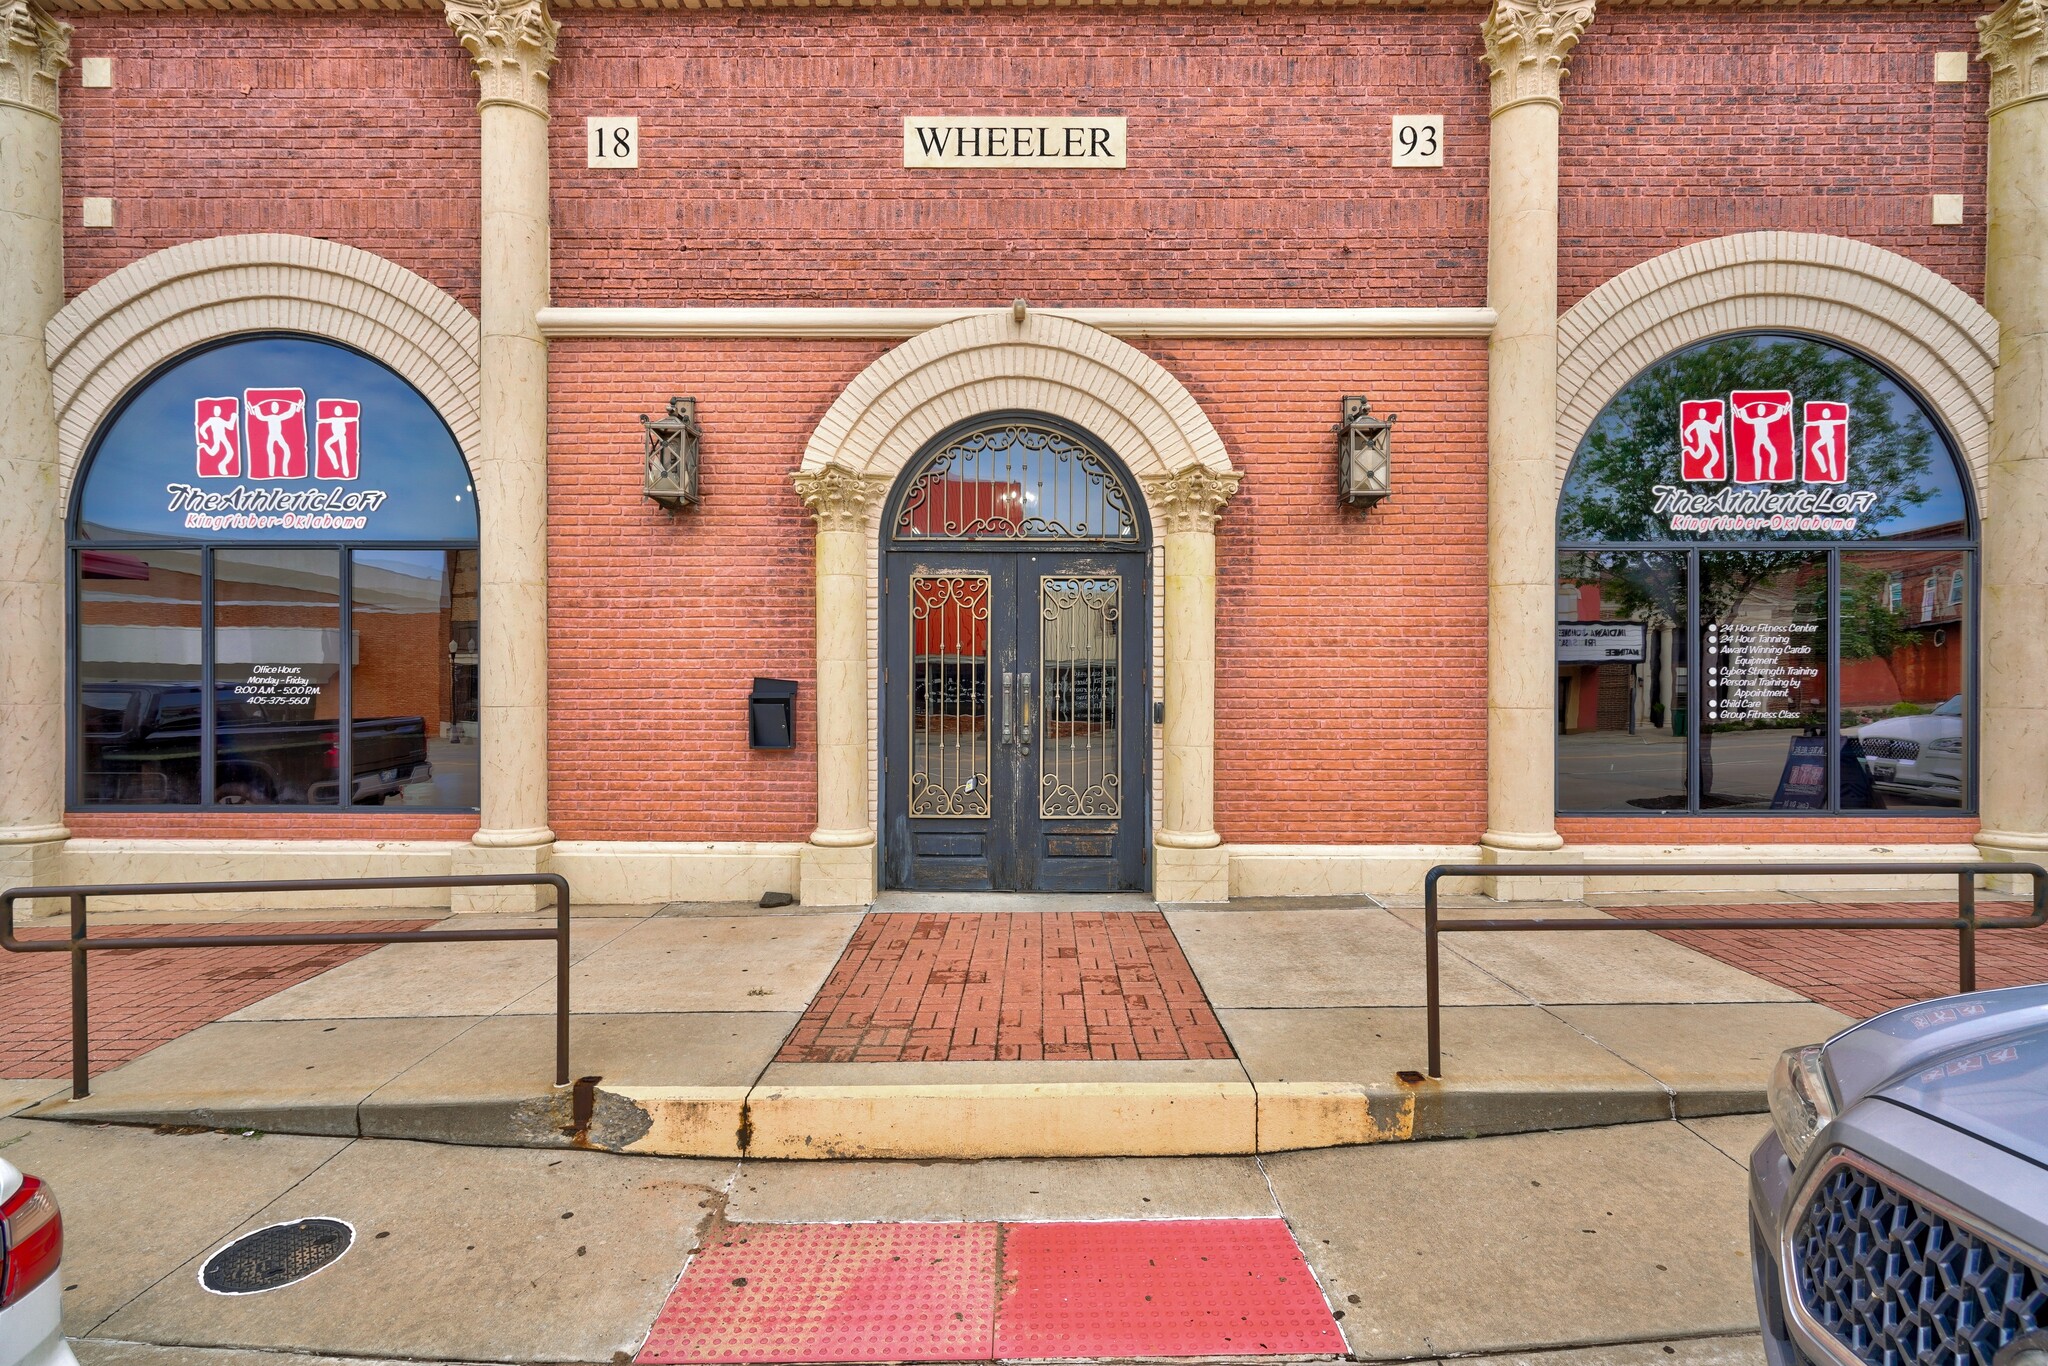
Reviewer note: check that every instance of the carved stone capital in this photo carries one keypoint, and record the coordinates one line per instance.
(1527, 42)
(1190, 500)
(838, 498)
(512, 43)
(34, 49)
(2013, 41)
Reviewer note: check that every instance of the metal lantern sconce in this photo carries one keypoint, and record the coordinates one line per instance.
(671, 457)
(1364, 460)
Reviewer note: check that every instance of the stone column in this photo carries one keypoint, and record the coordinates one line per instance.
(839, 863)
(1188, 860)
(2014, 700)
(512, 43)
(1527, 42)
(33, 49)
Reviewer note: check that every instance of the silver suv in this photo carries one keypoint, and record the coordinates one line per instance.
(1899, 1210)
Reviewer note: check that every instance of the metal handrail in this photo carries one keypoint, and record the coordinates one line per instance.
(1965, 922)
(78, 945)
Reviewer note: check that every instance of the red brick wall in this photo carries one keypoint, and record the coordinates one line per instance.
(1768, 829)
(270, 825)
(1680, 126)
(771, 161)
(657, 626)
(1350, 647)
(360, 128)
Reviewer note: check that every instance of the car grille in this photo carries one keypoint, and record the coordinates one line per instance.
(1892, 749)
(1899, 1284)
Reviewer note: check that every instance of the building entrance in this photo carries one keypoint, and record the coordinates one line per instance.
(1015, 665)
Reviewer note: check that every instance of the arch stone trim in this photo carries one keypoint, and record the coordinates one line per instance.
(142, 315)
(1939, 339)
(992, 362)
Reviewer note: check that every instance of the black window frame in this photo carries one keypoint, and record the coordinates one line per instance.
(1968, 546)
(76, 547)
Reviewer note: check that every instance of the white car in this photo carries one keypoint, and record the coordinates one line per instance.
(1917, 756)
(31, 1292)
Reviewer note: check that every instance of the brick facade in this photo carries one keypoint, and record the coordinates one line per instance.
(1807, 120)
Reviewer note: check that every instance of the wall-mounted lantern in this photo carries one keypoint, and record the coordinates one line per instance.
(1364, 462)
(771, 714)
(671, 458)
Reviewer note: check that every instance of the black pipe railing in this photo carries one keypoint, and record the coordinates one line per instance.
(79, 944)
(1965, 922)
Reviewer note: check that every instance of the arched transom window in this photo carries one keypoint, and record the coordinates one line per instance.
(1017, 478)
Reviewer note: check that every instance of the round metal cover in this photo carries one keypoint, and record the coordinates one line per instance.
(276, 1256)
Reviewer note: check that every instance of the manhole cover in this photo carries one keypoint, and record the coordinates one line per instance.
(275, 1256)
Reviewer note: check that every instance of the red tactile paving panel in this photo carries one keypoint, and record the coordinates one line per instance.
(1160, 1288)
(1862, 972)
(148, 997)
(1004, 987)
(833, 1292)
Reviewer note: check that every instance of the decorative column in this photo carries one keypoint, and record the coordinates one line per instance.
(1527, 42)
(1188, 860)
(2014, 706)
(839, 863)
(33, 49)
(512, 43)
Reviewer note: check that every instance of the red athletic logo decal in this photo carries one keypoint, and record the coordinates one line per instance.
(277, 433)
(217, 433)
(1827, 443)
(1763, 436)
(337, 454)
(1702, 441)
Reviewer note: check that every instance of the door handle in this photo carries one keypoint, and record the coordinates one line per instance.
(1009, 704)
(1023, 713)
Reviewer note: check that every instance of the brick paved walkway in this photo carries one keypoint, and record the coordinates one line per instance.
(1009, 987)
(148, 997)
(1862, 972)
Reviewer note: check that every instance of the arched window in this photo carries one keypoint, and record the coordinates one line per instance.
(1016, 477)
(1766, 592)
(284, 526)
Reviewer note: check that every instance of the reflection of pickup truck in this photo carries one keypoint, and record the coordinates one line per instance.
(1917, 756)
(140, 744)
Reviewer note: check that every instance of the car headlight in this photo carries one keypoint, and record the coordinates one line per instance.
(1802, 1102)
(1948, 744)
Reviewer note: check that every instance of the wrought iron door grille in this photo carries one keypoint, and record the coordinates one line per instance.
(1899, 1283)
(1078, 658)
(1016, 481)
(949, 695)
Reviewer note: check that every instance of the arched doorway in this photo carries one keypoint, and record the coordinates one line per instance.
(1015, 672)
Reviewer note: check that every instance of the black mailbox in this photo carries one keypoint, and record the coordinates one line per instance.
(771, 714)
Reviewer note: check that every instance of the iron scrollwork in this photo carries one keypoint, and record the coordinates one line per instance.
(1016, 481)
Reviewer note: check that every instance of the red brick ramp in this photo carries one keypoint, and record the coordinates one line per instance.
(977, 1292)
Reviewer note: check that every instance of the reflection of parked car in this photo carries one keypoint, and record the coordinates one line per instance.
(1899, 1212)
(1917, 756)
(141, 745)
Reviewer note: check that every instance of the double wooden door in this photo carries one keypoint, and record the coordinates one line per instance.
(1016, 720)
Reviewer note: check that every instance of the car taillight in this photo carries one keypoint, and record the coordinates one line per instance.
(31, 1240)
(333, 751)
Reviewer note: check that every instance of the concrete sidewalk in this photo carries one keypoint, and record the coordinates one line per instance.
(1517, 1244)
(680, 1015)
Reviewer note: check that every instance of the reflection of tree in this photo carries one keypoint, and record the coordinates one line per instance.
(1869, 627)
(1610, 495)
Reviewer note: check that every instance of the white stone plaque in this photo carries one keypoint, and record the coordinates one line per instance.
(614, 143)
(1019, 142)
(1418, 139)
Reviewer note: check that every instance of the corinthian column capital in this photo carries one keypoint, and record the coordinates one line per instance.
(1192, 499)
(512, 43)
(34, 48)
(838, 498)
(2013, 41)
(1527, 42)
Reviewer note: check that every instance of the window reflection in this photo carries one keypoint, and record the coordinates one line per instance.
(415, 726)
(1763, 650)
(1904, 713)
(138, 676)
(277, 677)
(1621, 717)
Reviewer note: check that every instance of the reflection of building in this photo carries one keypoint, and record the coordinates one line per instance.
(1926, 593)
